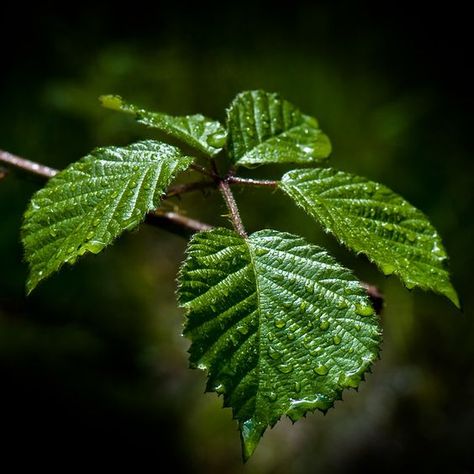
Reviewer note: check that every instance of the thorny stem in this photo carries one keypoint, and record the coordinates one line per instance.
(251, 182)
(176, 223)
(232, 206)
(26, 165)
(204, 171)
(172, 221)
(188, 187)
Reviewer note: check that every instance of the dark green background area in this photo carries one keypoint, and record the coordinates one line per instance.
(93, 366)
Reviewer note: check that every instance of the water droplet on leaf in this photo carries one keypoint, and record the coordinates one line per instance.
(217, 139)
(272, 396)
(285, 368)
(364, 310)
(273, 353)
(387, 268)
(321, 370)
(324, 325)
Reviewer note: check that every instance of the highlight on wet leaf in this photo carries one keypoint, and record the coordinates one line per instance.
(370, 218)
(86, 206)
(263, 128)
(279, 326)
(202, 133)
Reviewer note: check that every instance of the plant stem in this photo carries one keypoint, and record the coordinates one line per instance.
(252, 182)
(26, 165)
(232, 206)
(176, 223)
(188, 187)
(202, 170)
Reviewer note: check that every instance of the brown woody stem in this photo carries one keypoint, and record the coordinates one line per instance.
(232, 206)
(30, 166)
(252, 182)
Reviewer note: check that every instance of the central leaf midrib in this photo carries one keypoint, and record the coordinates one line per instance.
(259, 338)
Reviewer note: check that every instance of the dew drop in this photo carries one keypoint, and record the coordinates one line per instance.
(309, 288)
(364, 310)
(337, 340)
(303, 306)
(243, 329)
(285, 368)
(280, 323)
(321, 370)
(217, 139)
(290, 336)
(219, 388)
(342, 304)
(314, 352)
(297, 387)
(324, 325)
(357, 326)
(270, 336)
(272, 396)
(387, 268)
(273, 353)
(410, 285)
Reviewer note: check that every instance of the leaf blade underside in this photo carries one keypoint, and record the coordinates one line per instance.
(204, 134)
(86, 206)
(279, 326)
(264, 128)
(370, 218)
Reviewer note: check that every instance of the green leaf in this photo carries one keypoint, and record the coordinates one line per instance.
(263, 128)
(86, 206)
(279, 326)
(201, 133)
(371, 219)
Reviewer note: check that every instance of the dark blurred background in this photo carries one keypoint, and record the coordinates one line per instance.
(92, 365)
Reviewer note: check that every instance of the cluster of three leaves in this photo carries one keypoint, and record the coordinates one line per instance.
(278, 324)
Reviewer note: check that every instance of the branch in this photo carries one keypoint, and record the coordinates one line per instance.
(26, 165)
(176, 223)
(188, 187)
(232, 206)
(252, 182)
(202, 170)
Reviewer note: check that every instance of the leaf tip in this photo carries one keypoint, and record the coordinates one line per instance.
(111, 101)
(31, 284)
(452, 296)
(250, 433)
